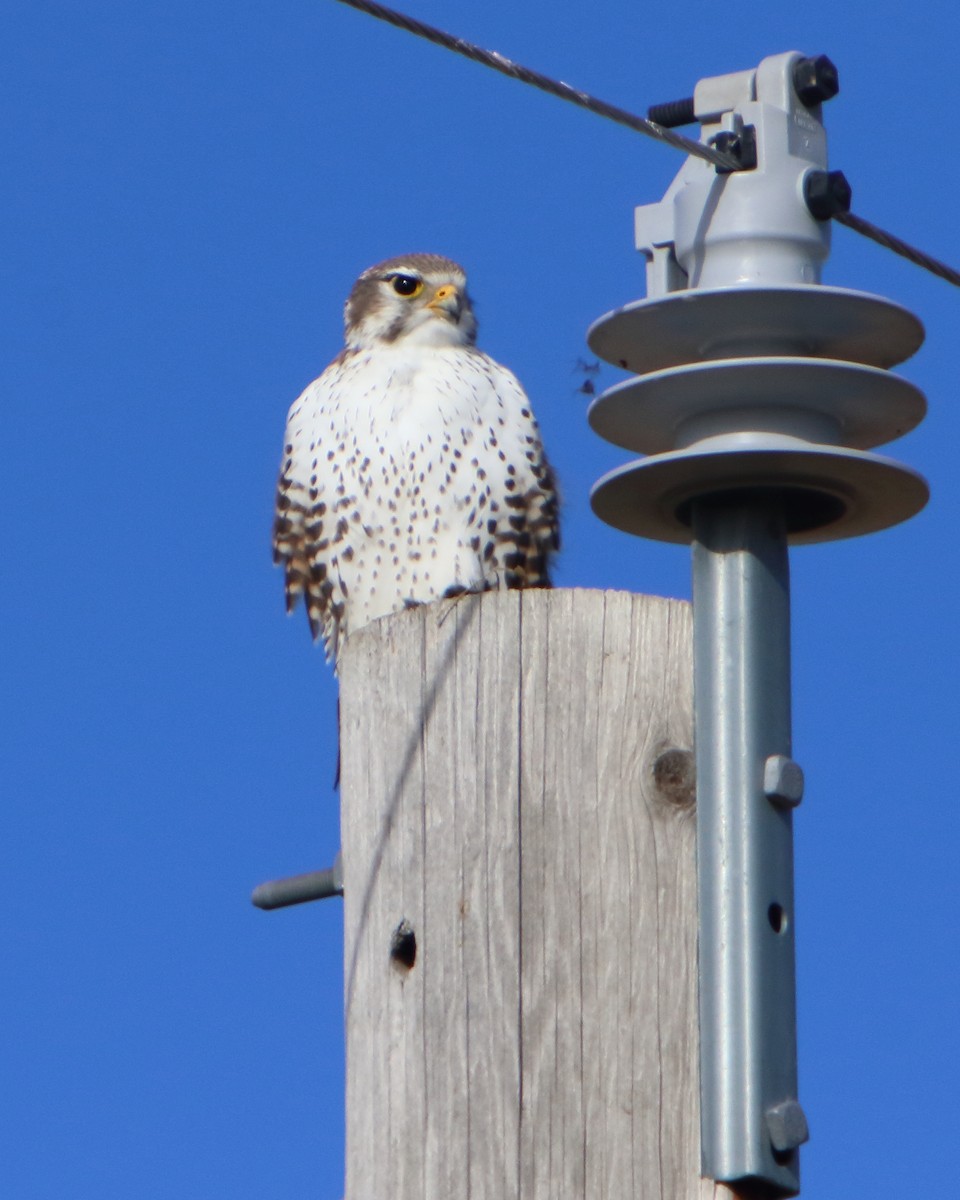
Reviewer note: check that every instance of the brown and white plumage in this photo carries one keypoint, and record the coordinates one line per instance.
(412, 467)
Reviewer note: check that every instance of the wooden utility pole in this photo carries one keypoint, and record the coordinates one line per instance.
(520, 901)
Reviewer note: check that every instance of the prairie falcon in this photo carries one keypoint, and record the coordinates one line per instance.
(413, 467)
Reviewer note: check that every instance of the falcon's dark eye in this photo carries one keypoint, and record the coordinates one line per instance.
(406, 285)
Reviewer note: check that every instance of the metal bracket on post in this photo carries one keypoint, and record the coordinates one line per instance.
(759, 397)
(299, 889)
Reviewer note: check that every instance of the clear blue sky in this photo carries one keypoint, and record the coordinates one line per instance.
(188, 191)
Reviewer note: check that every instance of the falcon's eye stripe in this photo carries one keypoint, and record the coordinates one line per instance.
(405, 285)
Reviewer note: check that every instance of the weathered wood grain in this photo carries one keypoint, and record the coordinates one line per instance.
(499, 796)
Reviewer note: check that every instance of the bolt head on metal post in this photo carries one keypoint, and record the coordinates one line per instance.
(782, 781)
(827, 193)
(815, 80)
(787, 1126)
(742, 144)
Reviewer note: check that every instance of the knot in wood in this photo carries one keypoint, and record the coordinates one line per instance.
(675, 777)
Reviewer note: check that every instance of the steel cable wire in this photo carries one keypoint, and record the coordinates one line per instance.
(490, 58)
(890, 242)
(554, 87)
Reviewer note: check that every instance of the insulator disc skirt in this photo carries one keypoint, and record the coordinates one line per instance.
(833, 402)
(736, 322)
(827, 493)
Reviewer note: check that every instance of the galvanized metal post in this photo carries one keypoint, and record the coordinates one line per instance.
(741, 595)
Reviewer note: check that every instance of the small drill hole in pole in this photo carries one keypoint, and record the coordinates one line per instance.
(403, 946)
(777, 917)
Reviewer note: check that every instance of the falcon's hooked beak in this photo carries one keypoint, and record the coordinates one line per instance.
(447, 303)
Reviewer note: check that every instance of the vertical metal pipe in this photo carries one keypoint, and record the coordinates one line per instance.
(751, 1122)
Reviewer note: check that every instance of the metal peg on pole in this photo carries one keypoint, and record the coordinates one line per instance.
(300, 889)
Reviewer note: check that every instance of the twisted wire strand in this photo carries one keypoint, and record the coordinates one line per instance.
(490, 58)
(718, 158)
(890, 242)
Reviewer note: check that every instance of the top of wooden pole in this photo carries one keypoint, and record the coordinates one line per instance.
(520, 900)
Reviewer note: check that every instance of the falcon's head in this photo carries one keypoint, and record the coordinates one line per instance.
(420, 298)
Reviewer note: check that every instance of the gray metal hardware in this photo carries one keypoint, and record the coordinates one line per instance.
(748, 1058)
(761, 395)
(782, 781)
(299, 889)
(787, 1126)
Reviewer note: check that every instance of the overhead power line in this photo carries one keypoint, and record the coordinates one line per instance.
(554, 87)
(497, 62)
(890, 242)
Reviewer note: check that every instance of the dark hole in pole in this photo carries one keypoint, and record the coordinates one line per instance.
(403, 945)
(777, 918)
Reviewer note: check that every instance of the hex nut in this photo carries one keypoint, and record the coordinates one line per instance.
(787, 1126)
(815, 80)
(826, 193)
(782, 781)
